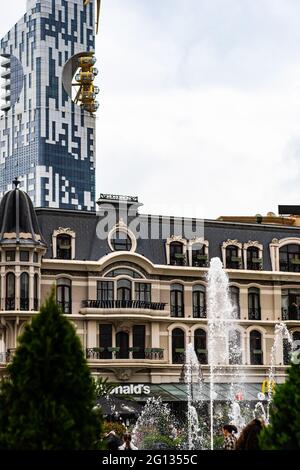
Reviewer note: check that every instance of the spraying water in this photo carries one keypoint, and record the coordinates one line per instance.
(221, 316)
(194, 383)
(281, 333)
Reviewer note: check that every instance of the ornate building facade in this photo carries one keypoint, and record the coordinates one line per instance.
(138, 300)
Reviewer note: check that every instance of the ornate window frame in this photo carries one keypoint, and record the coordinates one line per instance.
(176, 238)
(197, 241)
(63, 231)
(250, 244)
(122, 227)
(275, 246)
(227, 243)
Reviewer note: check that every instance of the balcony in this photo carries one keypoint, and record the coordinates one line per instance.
(291, 313)
(152, 354)
(254, 313)
(255, 264)
(126, 304)
(10, 303)
(177, 311)
(199, 311)
(65, 306)
(178, 259)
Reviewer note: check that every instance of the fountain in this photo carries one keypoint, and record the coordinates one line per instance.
(194, 382)
(281, 333)
(220, 316)
(155, 427)
(224, 358)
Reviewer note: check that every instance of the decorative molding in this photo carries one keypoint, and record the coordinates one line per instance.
(123, 374)
(232, 242)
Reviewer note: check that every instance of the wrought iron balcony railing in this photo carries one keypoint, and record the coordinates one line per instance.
(199, 311)
(254, 313)
(177, 311)
(128, 304)
(130, 353)
(10, 303)
(65, 306)
(291, 313)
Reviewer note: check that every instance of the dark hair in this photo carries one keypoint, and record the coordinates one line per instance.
(248, 439)
(230, 428)
(127, 439)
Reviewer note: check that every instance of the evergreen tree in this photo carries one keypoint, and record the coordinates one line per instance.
(48, 400)
(284, 429)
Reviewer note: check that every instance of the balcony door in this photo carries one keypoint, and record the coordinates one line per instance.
(122, 342)
(124, 291)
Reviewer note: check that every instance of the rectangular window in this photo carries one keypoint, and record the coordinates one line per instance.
(138, 334)
(24, 256)
(143, 292)
(105, 341)
(35, 258)
(10, 256)
(105, 290)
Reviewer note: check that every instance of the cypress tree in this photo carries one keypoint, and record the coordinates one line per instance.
(47, 402)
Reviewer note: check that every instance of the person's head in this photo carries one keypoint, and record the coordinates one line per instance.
(229, 429)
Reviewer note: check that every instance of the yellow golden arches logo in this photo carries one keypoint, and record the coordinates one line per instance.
(268, 386)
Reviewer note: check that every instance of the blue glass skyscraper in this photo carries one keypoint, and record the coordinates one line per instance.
(46, 140)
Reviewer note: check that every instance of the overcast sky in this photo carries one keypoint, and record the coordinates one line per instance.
(200, 103)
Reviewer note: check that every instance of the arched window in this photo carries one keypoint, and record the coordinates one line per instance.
(64, 294)
(289, 258)
(177, 257)
(24, 291)
(234, 295)
(199, 258)
(178, 346)
(177, 300)
(121, 241)
(288, 348)
(256, 352)
(254, 262)
(200, 345)
(64, 246)
(199, 301)
(233, 261)
(235, 347)
(10, 302)
(36, 292)
(122, 343)
(124, 291)
(254, 310)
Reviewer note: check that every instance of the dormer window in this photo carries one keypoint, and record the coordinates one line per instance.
(177, 256)
(63, 243)
(232, 254)
(121, 241)
(120, 238)
(64, 247)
